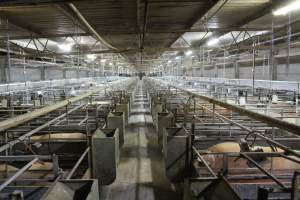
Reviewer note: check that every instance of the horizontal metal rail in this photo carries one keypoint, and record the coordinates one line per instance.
(20, 119)
(255, 132)
(291, 127)
(24, 158)
(30, 133)
(18, 173)
(264, 171)
(204, 162)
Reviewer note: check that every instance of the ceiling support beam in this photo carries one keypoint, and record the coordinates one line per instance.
(182, 31)
(138, 19)
(46, 36)
(262, 12)
(135, 50)
(199, 15)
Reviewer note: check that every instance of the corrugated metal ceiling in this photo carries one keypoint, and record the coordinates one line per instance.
(121, 23)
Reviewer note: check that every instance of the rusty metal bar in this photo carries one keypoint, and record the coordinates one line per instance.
(78, 163)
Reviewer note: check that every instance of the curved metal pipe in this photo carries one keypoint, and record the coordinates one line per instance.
(88, 26)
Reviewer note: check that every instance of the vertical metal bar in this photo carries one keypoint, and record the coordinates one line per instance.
(194, 105)
(253, 67)
(192, 140)
(8, 78)
(225, 165)
(202, 68)
(289, 31)
(185, 112)
(224, 63)
(55, 164)
(6, 153)
(272, 67)
(213, 113)
(90, 146)
(67, 115)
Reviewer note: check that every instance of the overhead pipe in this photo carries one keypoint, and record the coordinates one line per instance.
(88, 26)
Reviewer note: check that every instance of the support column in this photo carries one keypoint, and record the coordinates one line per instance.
(289, 32)
(64, 71)
(77, 73)
(8, 64)
(87, 73)
(273, 61)
(215, 70)
(3, 72)
(102, 69)
(202, 61)
(274, 70)
(43, 74)
(236, 69)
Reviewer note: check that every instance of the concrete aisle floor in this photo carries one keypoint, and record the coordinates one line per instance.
(140, 172)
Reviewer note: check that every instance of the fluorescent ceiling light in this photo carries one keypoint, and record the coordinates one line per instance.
(286, 9)
(213, 42)
(188, 53)
(65, 47)
(169, 61)
(110, 63)
(103, 60)
(178, 57)
(91, 56)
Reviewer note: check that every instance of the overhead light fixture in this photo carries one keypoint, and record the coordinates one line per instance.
(288, 8)
(91, 56)
(188, 53)
(169, 61)
(213, 42)
(103, 60)
(178, 57)
(110, 63)
(65, 47)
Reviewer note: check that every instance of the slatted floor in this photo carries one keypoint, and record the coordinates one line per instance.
(140, 172)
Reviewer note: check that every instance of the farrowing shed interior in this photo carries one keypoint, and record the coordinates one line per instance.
(149, 99)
